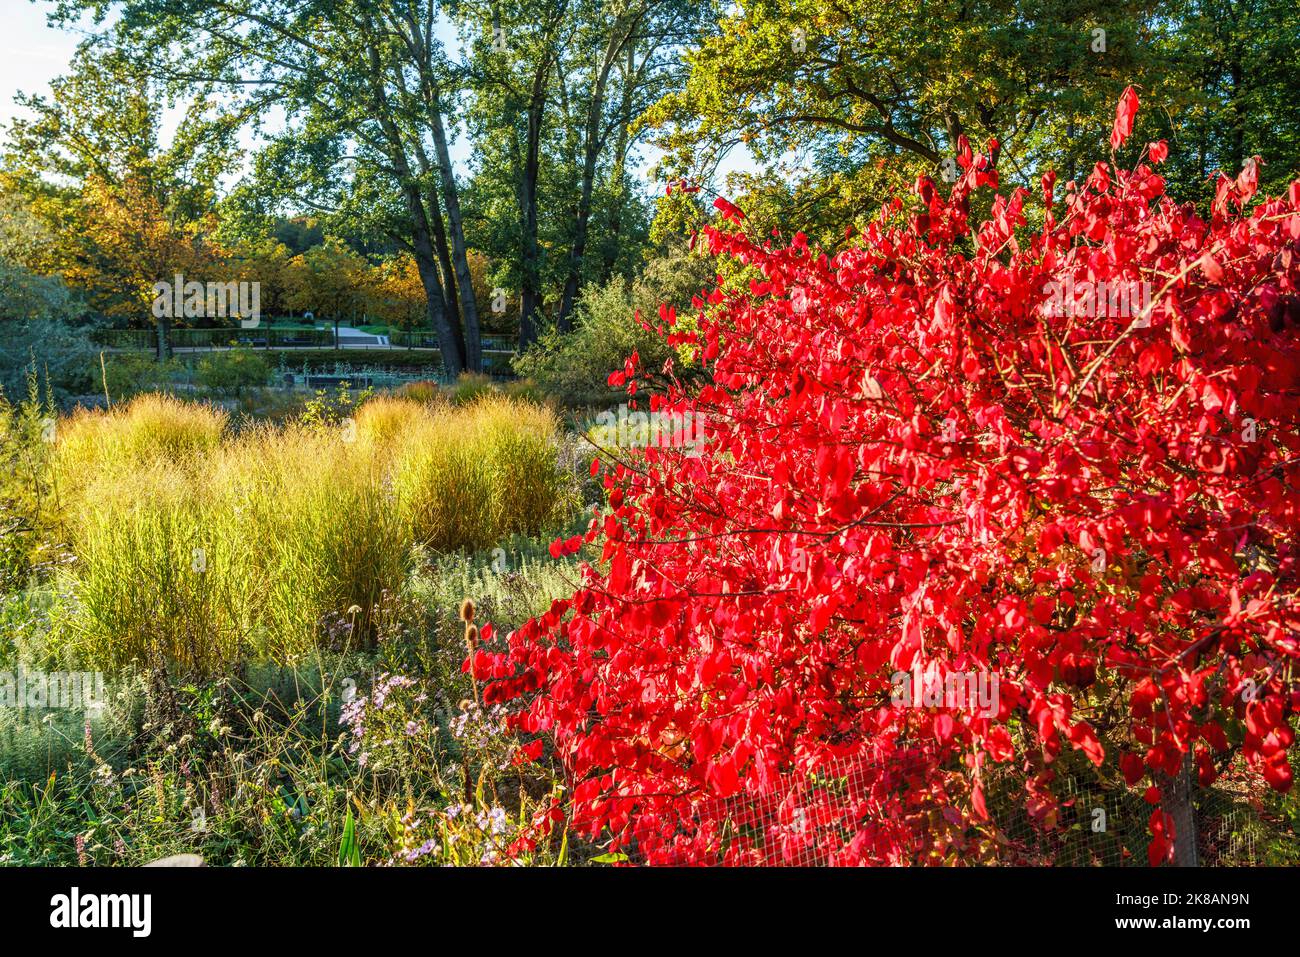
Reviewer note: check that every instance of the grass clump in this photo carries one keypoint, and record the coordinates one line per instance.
(470, 476)
(200, 546)
(160, 572)
(153, 426)
(321, 533)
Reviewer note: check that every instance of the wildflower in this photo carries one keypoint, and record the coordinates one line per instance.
(428, 847)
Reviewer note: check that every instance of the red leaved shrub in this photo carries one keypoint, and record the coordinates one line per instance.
(950, 450)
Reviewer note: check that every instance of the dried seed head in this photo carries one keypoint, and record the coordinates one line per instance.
(467, 610)
(471, 634)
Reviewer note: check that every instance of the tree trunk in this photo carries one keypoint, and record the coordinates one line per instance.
(451, 341)
(591, 151)
(447, 282)
(456, 231)
(618, 171)
(530, 294)
(446, 325)
(452, 298)
(164, 338)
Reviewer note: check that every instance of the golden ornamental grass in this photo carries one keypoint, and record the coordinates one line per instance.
(198, 545)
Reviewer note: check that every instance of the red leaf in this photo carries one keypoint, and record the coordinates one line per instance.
(1125, 111)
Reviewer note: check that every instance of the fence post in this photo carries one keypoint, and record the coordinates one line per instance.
(1176, 801)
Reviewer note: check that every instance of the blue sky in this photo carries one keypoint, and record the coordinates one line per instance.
(31, 54)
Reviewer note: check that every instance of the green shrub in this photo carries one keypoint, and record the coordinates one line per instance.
(27, 502)
(128, 375)
(470, 386)
(230, 373)
(40, 325)
(60, 354)
(423, 390)
(576, 367)
(327, 361)
(36, 743)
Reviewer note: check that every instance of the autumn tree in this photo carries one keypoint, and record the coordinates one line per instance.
(367, 92)
(126, 210)
(128, 245)
(330, 281)
(394, 292)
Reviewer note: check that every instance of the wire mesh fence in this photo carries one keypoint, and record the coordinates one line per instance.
(897, 812)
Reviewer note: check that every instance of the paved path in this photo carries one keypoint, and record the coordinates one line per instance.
(350, 338)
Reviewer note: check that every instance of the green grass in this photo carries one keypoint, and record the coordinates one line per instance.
(254, 768)
(232, 578)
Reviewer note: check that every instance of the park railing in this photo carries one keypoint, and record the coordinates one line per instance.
(146, 340)
(428, 339)
(267, 337)
(497, 351)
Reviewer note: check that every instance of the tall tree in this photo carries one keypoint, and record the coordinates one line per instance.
(1236, 86)
(843, 101)
(637, 42)
(126, 210)
(364, 87)
(514, 56)
(556, 85)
